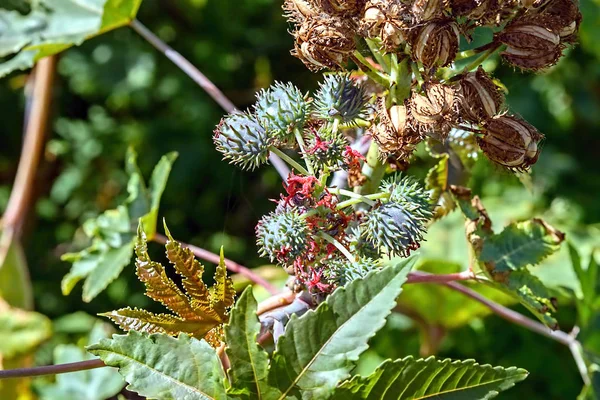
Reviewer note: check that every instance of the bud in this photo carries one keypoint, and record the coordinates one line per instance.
(510, 142)
(282, 237)
(530, 44)
(394, 133)
(341, 272)
(434, 110)
(339, 97)
(435, 44)
(281, 108)
(242, 139)
(478, 97)
(388, 20)
(323, 43)
(426, 10)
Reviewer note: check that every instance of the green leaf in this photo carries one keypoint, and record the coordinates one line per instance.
(437, 181)
(53, 26)
(249, 362)
(163, 367)
(95, 384)
(112, 234)
(15, 286)
(520, 245)
(21, 331)
(408, 379)
(319, 349)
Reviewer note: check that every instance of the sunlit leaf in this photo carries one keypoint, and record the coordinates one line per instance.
(162, 367)
(410, 379)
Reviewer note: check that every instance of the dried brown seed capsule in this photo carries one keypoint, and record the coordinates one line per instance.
(436, 43)
(297, 11)
(342, 7)
(386, 20)
(530, 44)
(394, 133)
(323, 43)
(511, 142)
(435, 110)
(479, 98)
(426, 10)
(564, 18)
(472, 9)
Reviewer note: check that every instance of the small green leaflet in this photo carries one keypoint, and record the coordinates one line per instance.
(113, 235)
(53, 26)
(410, 379)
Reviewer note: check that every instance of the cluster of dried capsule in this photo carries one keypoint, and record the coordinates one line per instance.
(327, 31)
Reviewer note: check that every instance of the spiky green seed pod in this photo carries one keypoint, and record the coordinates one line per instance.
(341, 271)
(340, 97)
(394, 229)
(242, 140)
(282, 108)
(282, 236)
(359, 245)
(326, 149)
(405, 189)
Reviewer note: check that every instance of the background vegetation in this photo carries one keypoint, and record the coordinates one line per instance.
(116, 91)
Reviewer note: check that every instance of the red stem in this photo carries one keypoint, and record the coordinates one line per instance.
(231, 265)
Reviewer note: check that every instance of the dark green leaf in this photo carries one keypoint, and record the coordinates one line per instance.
(319, 349)
(249, 362)
(408, 379)
(162, 367)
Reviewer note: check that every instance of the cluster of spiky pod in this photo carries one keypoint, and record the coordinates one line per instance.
(282, 112)
(307, 230)
(327, 32)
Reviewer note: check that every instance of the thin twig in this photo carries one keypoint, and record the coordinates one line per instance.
(52, 369)
(201, 79)
(231, 265)
(424, 277)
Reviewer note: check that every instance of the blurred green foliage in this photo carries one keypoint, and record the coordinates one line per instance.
(116, 91)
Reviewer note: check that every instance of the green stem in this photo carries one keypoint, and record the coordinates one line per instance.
(373, 169)
(415, 70)
(358, 122)
(479, 60)
(338, 245)
(302, 146)
(378, 56)
(371, 71)
(362, 199)
(353, 195)
(289, 160)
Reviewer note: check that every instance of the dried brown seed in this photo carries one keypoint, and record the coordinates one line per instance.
(388, 20)
(342, 7)
(323, 43)
(297, 11)
(530, 43)
(511, 142)
(436, 43)
(426, 10)
(479, 98)
(563, 17)
(435, 111)
(394, 133)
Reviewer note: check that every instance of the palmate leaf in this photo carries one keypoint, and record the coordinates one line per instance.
(113, 239)
(520, 245)
(53, 26)
(249, 362)
(505, 257)
(199, 311)
(144, 321)
(162, 367)
(409, 379)
(319, 349)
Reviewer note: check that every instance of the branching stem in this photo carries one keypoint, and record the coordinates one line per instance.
(302, 146)
(289, 160)
(338, 245)
(197, 76)
(348, 193)
(362, 199)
